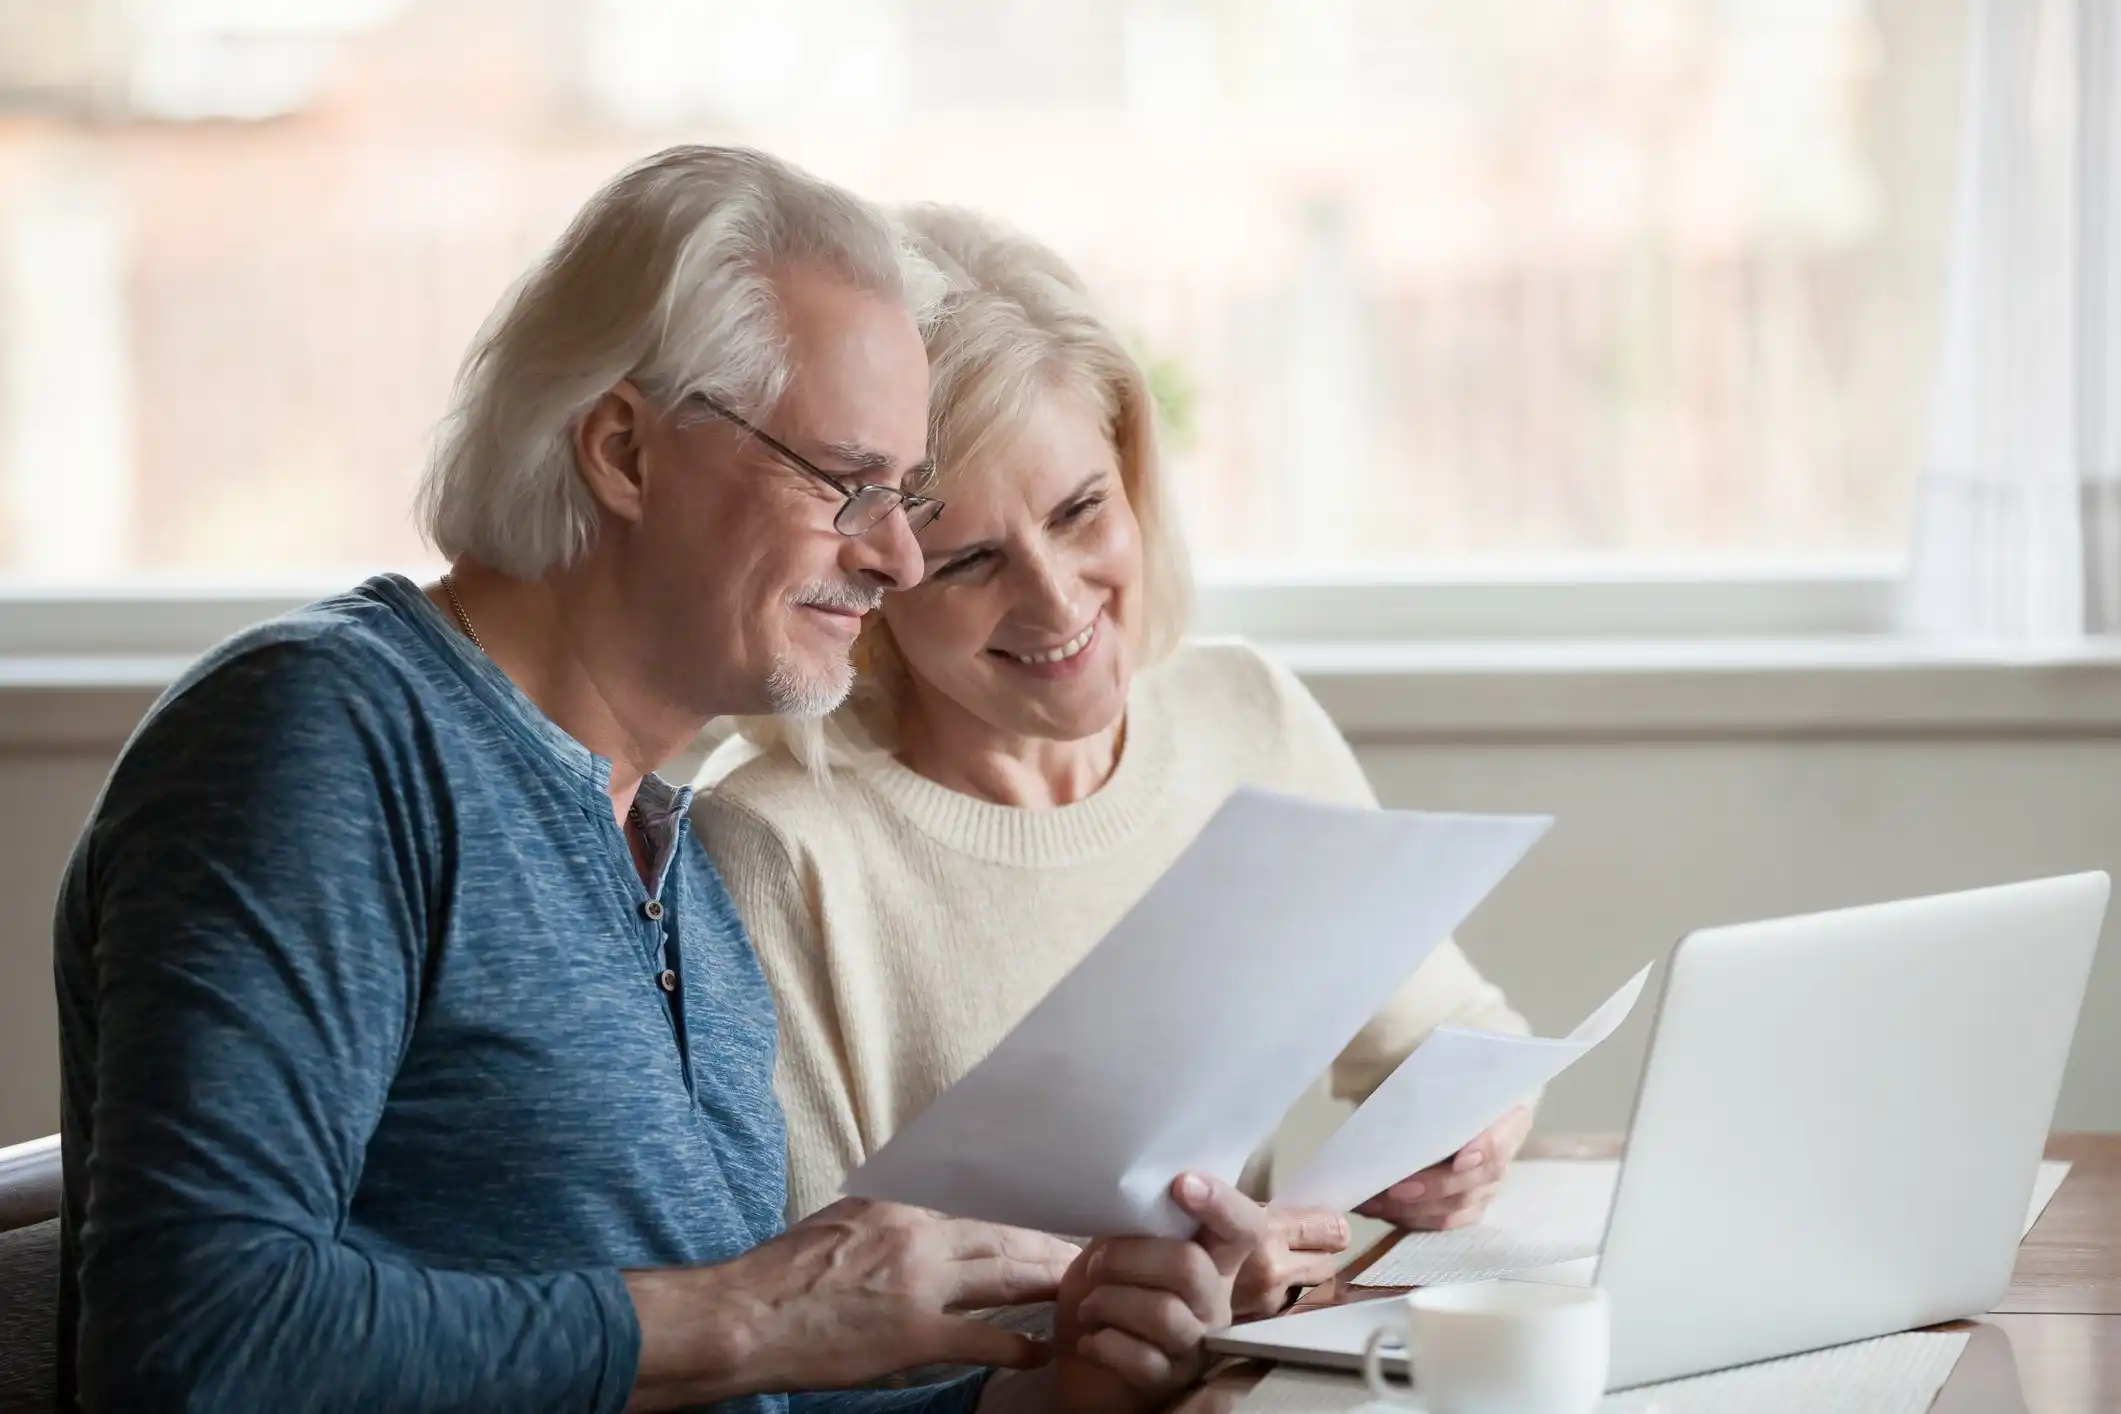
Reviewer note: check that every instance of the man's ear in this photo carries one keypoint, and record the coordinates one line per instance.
(607, 450)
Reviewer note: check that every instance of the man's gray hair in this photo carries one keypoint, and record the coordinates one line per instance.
(664, 279)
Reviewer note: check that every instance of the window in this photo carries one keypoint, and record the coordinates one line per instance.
(1420, 282)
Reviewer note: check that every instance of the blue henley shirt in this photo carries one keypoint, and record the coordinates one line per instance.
(379, 1060)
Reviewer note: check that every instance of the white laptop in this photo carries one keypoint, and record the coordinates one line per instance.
(1839, 1125)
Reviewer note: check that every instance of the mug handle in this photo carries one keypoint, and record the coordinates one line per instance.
(1373, 1373)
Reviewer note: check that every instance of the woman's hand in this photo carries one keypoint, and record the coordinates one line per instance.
(1133, 1310)
(1456, 1192)
(1301, 1247)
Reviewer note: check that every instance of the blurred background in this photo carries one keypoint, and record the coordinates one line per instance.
(1419, 281)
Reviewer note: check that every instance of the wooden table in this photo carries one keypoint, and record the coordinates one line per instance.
(2052, 1345)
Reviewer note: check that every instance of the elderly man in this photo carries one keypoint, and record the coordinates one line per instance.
(414, 1057)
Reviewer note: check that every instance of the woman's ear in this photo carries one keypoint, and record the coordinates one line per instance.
(608, 445)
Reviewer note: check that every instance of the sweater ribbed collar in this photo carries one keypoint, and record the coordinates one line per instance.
(1130, 800)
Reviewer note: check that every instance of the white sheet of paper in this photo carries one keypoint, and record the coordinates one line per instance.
(1182, 1039)
(1894, 1374)
(1549, 1211)
(1454, 1085)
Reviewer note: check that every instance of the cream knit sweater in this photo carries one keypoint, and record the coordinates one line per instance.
(906, 928)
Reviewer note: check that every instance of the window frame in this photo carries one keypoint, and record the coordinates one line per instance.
(1557, 601)
(1450, 658)
(1564, 600)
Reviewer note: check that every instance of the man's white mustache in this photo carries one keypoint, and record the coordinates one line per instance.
(843, 597)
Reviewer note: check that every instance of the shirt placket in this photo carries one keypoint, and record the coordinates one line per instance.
(659, 933)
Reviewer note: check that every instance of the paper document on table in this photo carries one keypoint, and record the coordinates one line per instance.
(1182, 1039)
(1454, 1085)
(1894, 1374)
(1549, 1211)
(1552, 1211)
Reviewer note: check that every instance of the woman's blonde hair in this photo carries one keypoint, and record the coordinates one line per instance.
(1016, 325)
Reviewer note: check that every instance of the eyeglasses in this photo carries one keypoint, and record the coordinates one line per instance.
(865, 506)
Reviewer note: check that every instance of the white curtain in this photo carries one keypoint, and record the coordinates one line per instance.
(2018, 513)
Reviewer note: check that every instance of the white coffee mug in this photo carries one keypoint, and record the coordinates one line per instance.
(1499, 1347)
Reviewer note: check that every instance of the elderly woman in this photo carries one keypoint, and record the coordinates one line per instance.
(1029, 744)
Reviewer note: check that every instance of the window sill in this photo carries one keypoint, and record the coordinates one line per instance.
(1856, 687)
(1853, 687)
(49, 702)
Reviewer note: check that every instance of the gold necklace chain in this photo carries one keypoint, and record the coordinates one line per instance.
(456, 606)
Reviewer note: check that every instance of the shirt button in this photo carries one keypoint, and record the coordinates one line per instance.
(652, 910)
(667, 980)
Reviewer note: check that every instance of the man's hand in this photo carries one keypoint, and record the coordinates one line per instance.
(1133, 1311)
(850, 1294)
(1301, 1247)
(1456, 1192)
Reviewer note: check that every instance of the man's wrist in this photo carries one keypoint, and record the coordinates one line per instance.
(701, 1339)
